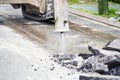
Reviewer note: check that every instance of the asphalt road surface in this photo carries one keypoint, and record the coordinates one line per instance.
(21, 56)
(26, 46)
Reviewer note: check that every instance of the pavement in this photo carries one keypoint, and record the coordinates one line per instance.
(23, 59)
(20, 59)
(22, 55)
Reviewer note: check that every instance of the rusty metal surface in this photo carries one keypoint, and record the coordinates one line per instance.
(32, 2)
(37, 3)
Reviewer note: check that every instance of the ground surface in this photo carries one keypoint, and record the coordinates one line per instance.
(21, 59)
(26, 46)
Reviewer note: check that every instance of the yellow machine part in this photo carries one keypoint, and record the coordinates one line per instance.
(38, 4)
(41, 10)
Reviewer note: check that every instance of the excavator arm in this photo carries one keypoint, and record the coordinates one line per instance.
(42, 10)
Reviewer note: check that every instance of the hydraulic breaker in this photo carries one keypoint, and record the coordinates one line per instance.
(61, 16)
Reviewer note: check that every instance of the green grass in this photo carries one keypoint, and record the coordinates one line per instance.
(73, 1)
(116, 1)
(110, 14)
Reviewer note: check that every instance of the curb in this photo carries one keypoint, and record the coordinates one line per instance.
(95, 18)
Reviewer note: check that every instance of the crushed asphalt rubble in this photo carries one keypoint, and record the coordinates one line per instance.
(105, 62)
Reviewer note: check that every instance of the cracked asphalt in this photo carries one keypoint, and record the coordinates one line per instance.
(26, 46)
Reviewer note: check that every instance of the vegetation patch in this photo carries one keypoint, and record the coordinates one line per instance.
(92, 8)
(73, 1)
(116, 1)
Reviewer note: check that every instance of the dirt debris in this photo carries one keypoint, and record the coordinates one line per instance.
(94, 62)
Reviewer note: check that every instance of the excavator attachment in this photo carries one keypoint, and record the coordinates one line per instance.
(42, 10)
(39, 10)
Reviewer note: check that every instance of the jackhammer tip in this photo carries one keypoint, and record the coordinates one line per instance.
(62, 32)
